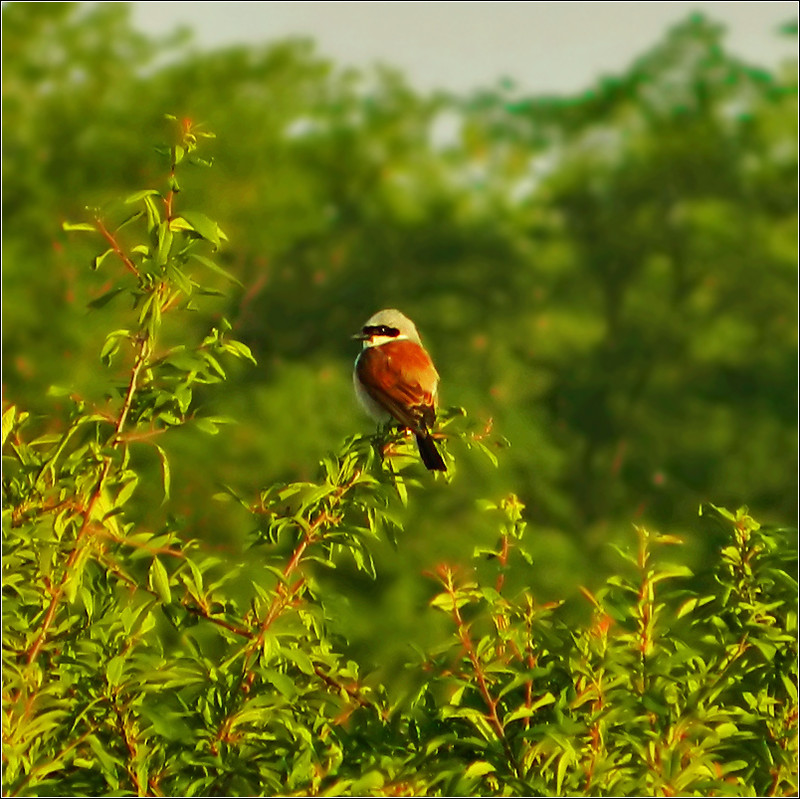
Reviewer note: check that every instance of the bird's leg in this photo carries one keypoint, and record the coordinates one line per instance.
(391, 436)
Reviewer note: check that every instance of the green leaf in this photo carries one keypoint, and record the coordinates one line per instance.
(205, 227)
(9, 416)
(475, 717)
(113, 670)
(240, 350)
(300, 659)
(153, 214)
(478, 769)
(209, 264)
(140, 195)
(282, 682)
(487, 452)
(98, 260)
(177, 276)
(128, 220)
(78, 226)
(159, 581)
(687, 607)
(207, 426)
(368, 783)
(165, 473)
(670, 571)
(164, 244)
(111, 345)
(126, 491)
(178, 224)
(527, 712)
(104, 299)
(564, 762)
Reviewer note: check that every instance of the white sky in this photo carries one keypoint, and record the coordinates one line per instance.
(544, 46)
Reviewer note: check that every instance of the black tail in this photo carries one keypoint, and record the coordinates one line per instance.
(429, 454)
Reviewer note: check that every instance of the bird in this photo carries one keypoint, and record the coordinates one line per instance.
(394, 378)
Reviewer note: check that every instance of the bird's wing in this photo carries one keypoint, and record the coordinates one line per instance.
(394, 374)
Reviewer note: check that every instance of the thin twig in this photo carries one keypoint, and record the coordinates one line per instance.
(466, 641)
(109, 237)
(58, 594)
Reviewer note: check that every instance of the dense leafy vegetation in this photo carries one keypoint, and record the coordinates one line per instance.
(193, 606)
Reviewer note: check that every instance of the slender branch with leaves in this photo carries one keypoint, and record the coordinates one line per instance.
(141, 662)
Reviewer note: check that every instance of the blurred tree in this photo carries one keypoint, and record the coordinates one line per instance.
(667, 272)
(73, 114)
(610, 277)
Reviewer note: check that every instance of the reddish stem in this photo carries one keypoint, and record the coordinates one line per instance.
(469, 648)
(109, 237)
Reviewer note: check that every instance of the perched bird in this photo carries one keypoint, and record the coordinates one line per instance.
(394, 377)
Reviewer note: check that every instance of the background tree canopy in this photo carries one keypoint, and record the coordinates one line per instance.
(609, 278)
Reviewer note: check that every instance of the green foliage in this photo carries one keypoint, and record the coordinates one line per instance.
(609, 276)
(138, 661)
(665, 692)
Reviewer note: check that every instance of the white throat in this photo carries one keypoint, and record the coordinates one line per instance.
(377, 341)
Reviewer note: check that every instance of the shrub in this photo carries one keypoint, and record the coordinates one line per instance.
(140, 662)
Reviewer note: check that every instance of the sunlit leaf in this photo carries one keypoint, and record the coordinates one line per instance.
(159, 581)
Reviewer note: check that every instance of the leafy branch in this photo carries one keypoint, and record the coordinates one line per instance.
(141, 661)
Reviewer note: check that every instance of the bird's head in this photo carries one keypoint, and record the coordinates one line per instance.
(387, 325)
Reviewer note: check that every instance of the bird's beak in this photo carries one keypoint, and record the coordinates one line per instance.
(359, 337)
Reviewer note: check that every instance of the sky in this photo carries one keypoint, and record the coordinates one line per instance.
(545, 47)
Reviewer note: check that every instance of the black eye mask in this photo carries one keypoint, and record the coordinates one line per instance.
(381, 330)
